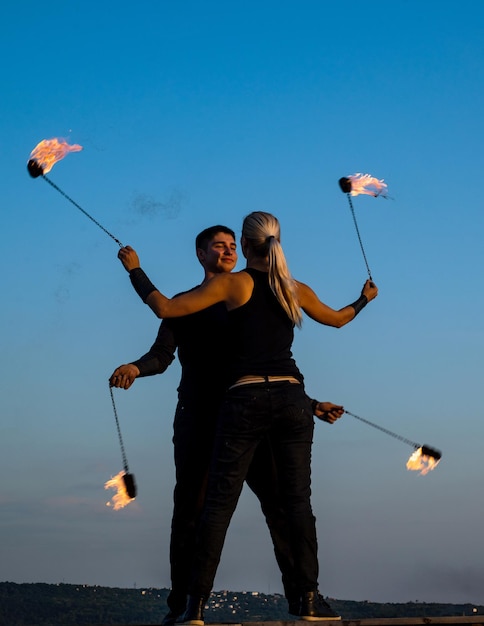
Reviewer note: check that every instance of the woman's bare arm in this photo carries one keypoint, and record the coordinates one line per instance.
(322, 313)
(228, 288)
(233, 289)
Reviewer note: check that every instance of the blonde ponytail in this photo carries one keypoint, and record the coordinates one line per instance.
(262, 230)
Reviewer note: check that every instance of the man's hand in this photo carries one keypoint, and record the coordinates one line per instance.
(128, 257)
(124, 376)
(328, 412)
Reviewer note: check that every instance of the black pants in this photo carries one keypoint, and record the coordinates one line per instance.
(250, 414)
(194, 436)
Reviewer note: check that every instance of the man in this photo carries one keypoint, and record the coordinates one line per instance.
(202, 351)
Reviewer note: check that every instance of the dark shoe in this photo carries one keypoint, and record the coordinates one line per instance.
(314, 608)
(194, 611)
(170, 618)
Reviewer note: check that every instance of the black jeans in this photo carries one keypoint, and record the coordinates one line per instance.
(194, 436)
(248, 414)
(193, 439)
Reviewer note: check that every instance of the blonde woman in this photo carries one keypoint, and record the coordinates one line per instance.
(266, 396)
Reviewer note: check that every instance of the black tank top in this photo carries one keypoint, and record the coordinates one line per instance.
(261, 334)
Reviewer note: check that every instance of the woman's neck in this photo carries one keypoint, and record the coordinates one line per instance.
(258, 263)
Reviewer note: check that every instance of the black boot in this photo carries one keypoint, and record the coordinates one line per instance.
(170, 618)
(193, 612)
(177, 603)
(314, 608)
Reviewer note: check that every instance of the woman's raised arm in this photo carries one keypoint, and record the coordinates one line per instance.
(322, 313)
(233, 289)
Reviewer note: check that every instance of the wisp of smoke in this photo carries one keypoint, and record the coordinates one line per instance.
(62, 292)
(146, 206)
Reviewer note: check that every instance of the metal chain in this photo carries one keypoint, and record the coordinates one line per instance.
(384, 430)
(358, 233)
(81, 209)
(125, 462)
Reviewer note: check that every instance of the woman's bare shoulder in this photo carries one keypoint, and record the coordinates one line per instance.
(241, 286)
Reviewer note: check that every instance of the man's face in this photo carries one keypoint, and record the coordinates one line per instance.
(220, 255)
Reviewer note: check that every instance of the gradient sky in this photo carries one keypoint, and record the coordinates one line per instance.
(194, 113)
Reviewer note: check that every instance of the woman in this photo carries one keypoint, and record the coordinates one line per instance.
(266, 396)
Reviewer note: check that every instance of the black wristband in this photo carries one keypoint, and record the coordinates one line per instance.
(359, 304)
(314, 406)
(141, 283)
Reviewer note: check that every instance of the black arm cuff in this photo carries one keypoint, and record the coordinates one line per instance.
(359, 304)
(141, 283)
(314, 404)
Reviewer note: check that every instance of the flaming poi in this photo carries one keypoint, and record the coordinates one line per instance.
(123, 495)
(46, 154)
(362, 184)
(424, 458)
(124, 481)
(43, 158)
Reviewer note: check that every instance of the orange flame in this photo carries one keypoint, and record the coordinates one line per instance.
(422, 462)
(121, 497)
(49, 151)
(366, 184)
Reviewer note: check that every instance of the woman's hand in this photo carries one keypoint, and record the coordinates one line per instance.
(128, 258)
(370, 290)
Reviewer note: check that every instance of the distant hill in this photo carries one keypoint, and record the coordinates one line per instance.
(39, 604)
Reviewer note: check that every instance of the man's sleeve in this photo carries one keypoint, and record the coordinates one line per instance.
(161, 354)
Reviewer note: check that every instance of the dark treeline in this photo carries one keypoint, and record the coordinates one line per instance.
(39, 604)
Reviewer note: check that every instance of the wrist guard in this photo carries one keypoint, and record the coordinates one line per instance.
(359, 304)
(141, 283)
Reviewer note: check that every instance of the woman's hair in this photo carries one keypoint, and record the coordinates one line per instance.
(263, 233)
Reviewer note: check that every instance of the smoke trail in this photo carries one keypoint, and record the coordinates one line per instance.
(62, 292)
(144, 205)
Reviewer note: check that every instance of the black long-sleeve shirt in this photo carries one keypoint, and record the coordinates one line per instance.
(203, 352)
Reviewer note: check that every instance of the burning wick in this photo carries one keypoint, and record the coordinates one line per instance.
(424, 458)
(46, 154)
(125, 490)
(128, 484)
(361, 184)
(43, 158)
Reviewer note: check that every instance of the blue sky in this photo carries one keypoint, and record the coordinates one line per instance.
(191, 114)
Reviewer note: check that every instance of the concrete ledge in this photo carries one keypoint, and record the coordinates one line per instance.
(412, 621)
(380, 621)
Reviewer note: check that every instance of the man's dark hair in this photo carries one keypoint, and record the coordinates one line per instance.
(206, 235)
